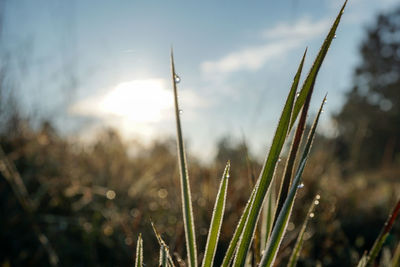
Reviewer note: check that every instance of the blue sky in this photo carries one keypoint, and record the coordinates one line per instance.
(90, 64)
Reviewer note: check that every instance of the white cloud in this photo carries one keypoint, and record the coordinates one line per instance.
(251, 58)
(280, 39)
(301, 29)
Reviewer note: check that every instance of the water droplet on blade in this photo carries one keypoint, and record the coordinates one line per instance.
(300, 185)
(312, 215)
(177, 78)
(334, 37)
(318, 197)
(316, 202)
(180, 111)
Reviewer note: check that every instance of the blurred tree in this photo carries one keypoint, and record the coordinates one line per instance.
(369, 122)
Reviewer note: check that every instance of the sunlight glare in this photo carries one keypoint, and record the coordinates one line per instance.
(138, 100)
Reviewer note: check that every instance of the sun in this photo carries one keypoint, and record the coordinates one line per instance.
(137, 101)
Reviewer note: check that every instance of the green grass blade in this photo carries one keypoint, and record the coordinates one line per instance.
(185, 184)
(268, 216)
(383, 235)
(238, 232)
(266, 174)
(163, 262)
(216, 220)
(312, 75)
(287, 175)
(299, 242)
(139, 252)
(279, 229)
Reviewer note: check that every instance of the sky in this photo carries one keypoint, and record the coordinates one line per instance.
(88, 64)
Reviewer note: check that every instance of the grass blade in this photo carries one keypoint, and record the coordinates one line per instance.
(216, 220)
(277, 233)
(139, 252)
(279, 229)
(163, 257)
(312, 75)
(185, 184)
(268, 216)
(383, 235)
(299, 242)
(266, 174)
(287, 176)
(238, 232)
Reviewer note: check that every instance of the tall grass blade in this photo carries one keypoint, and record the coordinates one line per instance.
(312, 75)
(299, 242)
(185, 184)
(216, 220)
(268, 215)
(277, 233)
(279, 229)
(287, 176)
(266, 174)
(238, 232)
(163, 262)
(139, 252)
(383, 235)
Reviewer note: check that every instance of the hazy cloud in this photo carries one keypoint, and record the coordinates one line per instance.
(302, 29)
(280, 39)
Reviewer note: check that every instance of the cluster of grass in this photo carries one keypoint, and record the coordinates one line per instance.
(263, 195)
(68, 203)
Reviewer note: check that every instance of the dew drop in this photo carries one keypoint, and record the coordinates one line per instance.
(297, 94)
(180, 111)
(177, 78)
(316, 202)
(279, 159)
(300, 185)
(317, 196)
(334, 37)
(312, 215)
